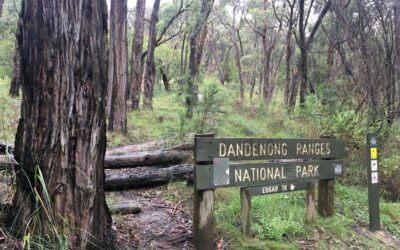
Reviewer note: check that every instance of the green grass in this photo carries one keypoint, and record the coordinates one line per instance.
(279, 219)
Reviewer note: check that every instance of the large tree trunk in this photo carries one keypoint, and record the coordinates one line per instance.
(150, 71)
(137, 47)
(196, 42)
(61, 133)
(117, 121)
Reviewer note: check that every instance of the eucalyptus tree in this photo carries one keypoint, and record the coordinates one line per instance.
(156, 38)
(263, 22)
(233, 24)
(304, 42)
(118, 66)
(137, 47)
(197, 37)
(61, 137)
(150, 71)
(290, 17)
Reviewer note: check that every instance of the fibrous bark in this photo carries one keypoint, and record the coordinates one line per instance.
(137, 47)
(146, 177)
(61, 133)
(117, 121)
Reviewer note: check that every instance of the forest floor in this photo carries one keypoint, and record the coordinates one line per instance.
(161, 224)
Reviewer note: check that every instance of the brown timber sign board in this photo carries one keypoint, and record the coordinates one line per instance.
(223, 174)
(267, 149)
(219, 152)
(261, 166)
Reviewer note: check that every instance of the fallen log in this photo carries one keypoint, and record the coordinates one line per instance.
(146, 146)
(125, 208)
(145, 177)
(157, 158)
(6, 162)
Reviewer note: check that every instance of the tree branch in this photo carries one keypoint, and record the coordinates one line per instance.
(318, 23)
(308, 14)
(159, 40)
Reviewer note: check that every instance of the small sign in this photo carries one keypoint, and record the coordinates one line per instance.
(374, 165)
(374, 153)
(278, 188)
(374, 177)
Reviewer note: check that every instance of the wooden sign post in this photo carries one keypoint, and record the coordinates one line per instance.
(203, 209)
(373, 182)
(215, 168)
(326, 195)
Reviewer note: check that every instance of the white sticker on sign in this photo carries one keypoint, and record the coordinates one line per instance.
(374, 177)
(374, 165)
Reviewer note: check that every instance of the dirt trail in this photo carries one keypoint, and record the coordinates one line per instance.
(160, 225)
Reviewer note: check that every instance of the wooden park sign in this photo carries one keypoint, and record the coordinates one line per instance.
(266, 149)
(262, 166)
